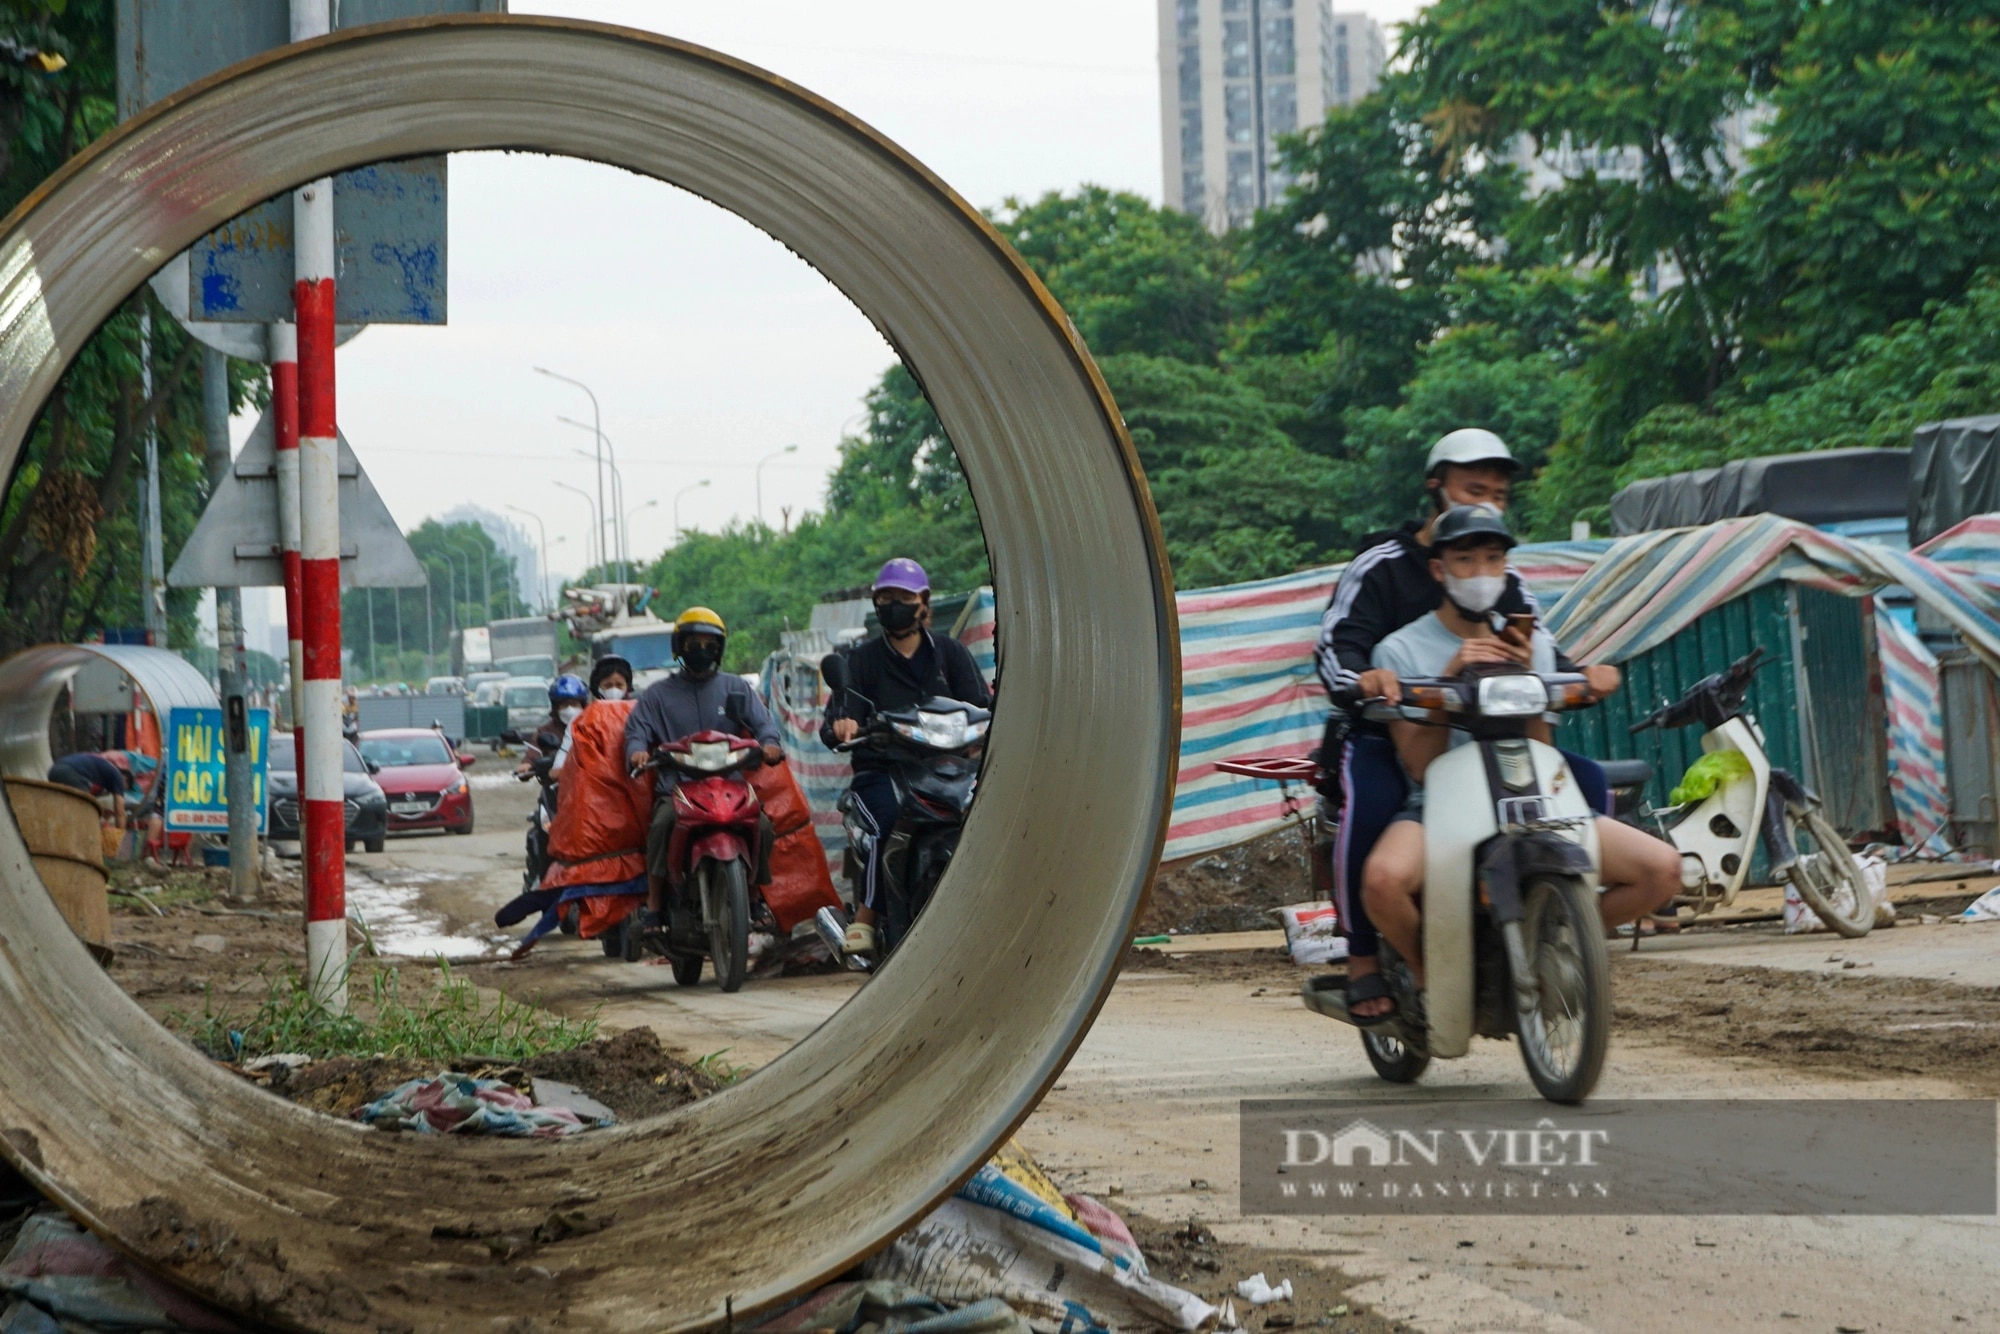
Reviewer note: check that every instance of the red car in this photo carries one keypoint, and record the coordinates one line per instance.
(423, 778)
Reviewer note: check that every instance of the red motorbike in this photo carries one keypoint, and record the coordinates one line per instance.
(713, 856)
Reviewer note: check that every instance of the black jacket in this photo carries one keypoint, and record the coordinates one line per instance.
(1383, 589)
(877, 674)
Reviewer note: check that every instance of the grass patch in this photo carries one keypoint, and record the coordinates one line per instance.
(447, 1021)
(166, 887)
(721, 1071)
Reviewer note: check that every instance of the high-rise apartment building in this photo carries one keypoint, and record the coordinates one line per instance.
(1235, 75)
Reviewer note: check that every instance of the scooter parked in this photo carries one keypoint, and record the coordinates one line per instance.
(934, 749)
(1716, 834)
(713, 853)
(1513, 941)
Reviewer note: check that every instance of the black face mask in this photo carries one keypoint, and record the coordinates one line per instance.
(702, 655)
(898, 617)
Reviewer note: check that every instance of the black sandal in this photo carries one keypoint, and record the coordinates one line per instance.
(1368, 987)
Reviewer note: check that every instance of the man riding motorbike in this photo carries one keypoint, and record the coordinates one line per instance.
(1385, 587)
(1468, 562)
(699, 697)
(900, 670)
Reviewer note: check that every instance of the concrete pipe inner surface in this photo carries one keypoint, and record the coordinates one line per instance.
(762, 1190)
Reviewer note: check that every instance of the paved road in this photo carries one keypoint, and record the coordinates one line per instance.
(1150, 1104)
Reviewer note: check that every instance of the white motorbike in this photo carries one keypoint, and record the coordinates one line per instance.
(1716, 835)
(1513, 941)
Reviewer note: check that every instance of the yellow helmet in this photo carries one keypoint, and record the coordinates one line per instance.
(694, 616)
(700, 621)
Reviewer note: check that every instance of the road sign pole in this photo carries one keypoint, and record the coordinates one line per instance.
(237, 776)
(323, 816)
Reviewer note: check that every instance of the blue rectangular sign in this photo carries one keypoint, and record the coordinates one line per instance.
(197, 796)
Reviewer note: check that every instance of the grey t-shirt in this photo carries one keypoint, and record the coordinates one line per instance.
(1425, 647)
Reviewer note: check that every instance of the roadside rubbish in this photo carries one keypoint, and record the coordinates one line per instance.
(886, 1306)
(1800, 919)
(1312, 933)
(1258, 1292)
(452, 1104)
(1152, 940)
(59, 1279)
(1010, 1234)
(1985, 908)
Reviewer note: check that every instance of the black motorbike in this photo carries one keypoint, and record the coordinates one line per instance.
(934, 751)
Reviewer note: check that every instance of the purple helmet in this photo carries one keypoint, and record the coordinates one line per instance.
(903, 573)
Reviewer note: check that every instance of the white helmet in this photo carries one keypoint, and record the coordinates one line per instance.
(1470, 445)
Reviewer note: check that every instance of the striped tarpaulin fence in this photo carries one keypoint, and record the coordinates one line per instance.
(1916, 735)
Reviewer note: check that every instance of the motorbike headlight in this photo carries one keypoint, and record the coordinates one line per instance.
(910, 732)
(946, 731)
(709, 756)
(1513, 696)
(974, 731)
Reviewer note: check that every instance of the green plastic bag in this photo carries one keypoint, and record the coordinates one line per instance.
(1708, 773)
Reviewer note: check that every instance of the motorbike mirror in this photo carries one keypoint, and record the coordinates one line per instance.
(833, 670)
(465, 761)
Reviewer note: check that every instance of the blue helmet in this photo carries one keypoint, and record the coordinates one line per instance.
(568, 689)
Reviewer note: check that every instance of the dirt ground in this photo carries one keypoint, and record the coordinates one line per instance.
(1190, 1254)
(1236, 889)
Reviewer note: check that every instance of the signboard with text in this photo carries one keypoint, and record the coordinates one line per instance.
(197, 797)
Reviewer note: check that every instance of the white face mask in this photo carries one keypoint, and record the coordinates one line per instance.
(569, 714)
(1476, 595)
(613, 693)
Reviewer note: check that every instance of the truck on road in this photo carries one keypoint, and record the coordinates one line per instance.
(525, 646)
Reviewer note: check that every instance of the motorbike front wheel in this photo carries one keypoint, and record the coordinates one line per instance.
(729, 926)
(1395, 1060)
(1827, 876)
(1565, 1033)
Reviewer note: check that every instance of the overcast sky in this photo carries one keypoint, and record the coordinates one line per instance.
(708, 345)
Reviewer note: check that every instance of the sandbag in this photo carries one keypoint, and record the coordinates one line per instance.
(598, 835)
(800, 883)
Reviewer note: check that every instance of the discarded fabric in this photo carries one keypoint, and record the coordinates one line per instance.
(61, 1277)
(453, 1104)
(1985, 908)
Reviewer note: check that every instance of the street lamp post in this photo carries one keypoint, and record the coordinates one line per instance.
(788, 449)
(597, 417)
(622, 555)
(696, 486)
(543, 548)
(594, 526)
(485, 581)
(613, 517)
(451, 587)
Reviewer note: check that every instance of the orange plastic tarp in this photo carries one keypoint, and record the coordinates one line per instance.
(800, 882)
(599, 834)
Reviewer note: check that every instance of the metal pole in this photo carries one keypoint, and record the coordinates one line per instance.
(759, 470)
(154, 560)
(399, 632)
(369, 593)
(284, 341)
(615, 518)
(323, 815)
(597, 426)
(542, 549)
(237, 774)
(430, 629)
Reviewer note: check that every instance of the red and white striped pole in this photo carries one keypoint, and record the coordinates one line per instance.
(284, 341)
(323, 815)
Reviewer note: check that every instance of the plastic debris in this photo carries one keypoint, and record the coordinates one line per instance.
(453, 1104)
(1258, 1292)
(1708, 773)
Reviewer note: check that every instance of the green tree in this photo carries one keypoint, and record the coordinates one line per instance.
(1133, 277)
(1873, 192)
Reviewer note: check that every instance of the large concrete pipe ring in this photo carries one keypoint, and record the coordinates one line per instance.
(32, 680)
(758, 1192)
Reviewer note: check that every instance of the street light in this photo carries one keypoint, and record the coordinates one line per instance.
(618, 543)
(677, 506)
(451, 585)
(788, 449)
(597, 417)
(543, 547)
(621, 553)
(594, 526)
(485, 580)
